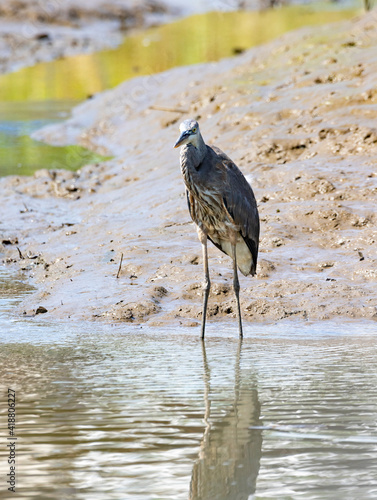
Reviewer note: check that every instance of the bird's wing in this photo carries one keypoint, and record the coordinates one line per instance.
(240, 203)
(190, 204)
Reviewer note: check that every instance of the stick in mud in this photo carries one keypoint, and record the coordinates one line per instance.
(169, 110)
(20, 253)
(120, 265)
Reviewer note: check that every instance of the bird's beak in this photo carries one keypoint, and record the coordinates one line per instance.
(182, 138)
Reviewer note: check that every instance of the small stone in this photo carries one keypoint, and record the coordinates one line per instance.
(41, 310)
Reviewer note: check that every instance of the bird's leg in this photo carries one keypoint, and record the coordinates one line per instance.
(207, 282)
(236, 286)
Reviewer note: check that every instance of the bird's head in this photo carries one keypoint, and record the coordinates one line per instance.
(189, 133)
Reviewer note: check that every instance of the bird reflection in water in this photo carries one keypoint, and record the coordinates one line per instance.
(230, 452)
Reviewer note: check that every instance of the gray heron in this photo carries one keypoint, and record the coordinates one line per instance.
(222, 205)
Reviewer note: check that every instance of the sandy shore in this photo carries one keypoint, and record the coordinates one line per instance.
(298, 116)
(32, 31)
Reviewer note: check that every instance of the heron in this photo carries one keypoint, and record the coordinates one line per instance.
(222, 205)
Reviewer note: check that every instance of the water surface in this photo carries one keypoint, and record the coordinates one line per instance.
(21, 155)
(196, 39)
(128, 413)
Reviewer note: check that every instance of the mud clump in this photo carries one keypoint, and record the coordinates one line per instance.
(132, 312)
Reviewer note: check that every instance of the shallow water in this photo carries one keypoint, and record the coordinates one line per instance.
(44, 93)
(19, 154)
(122, 412)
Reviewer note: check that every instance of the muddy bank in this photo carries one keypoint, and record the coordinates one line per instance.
(298, 116)
(32, 31)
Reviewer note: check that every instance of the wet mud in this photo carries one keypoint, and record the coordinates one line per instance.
(297, 115)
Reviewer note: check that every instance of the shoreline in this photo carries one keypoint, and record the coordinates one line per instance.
(31, 32)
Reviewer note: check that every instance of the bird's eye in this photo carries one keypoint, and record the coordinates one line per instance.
(194, 130)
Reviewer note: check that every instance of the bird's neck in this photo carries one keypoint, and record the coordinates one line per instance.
(192, 156)
(195, 151)
(201, 147)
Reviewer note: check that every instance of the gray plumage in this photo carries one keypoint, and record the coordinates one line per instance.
(222, 205)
